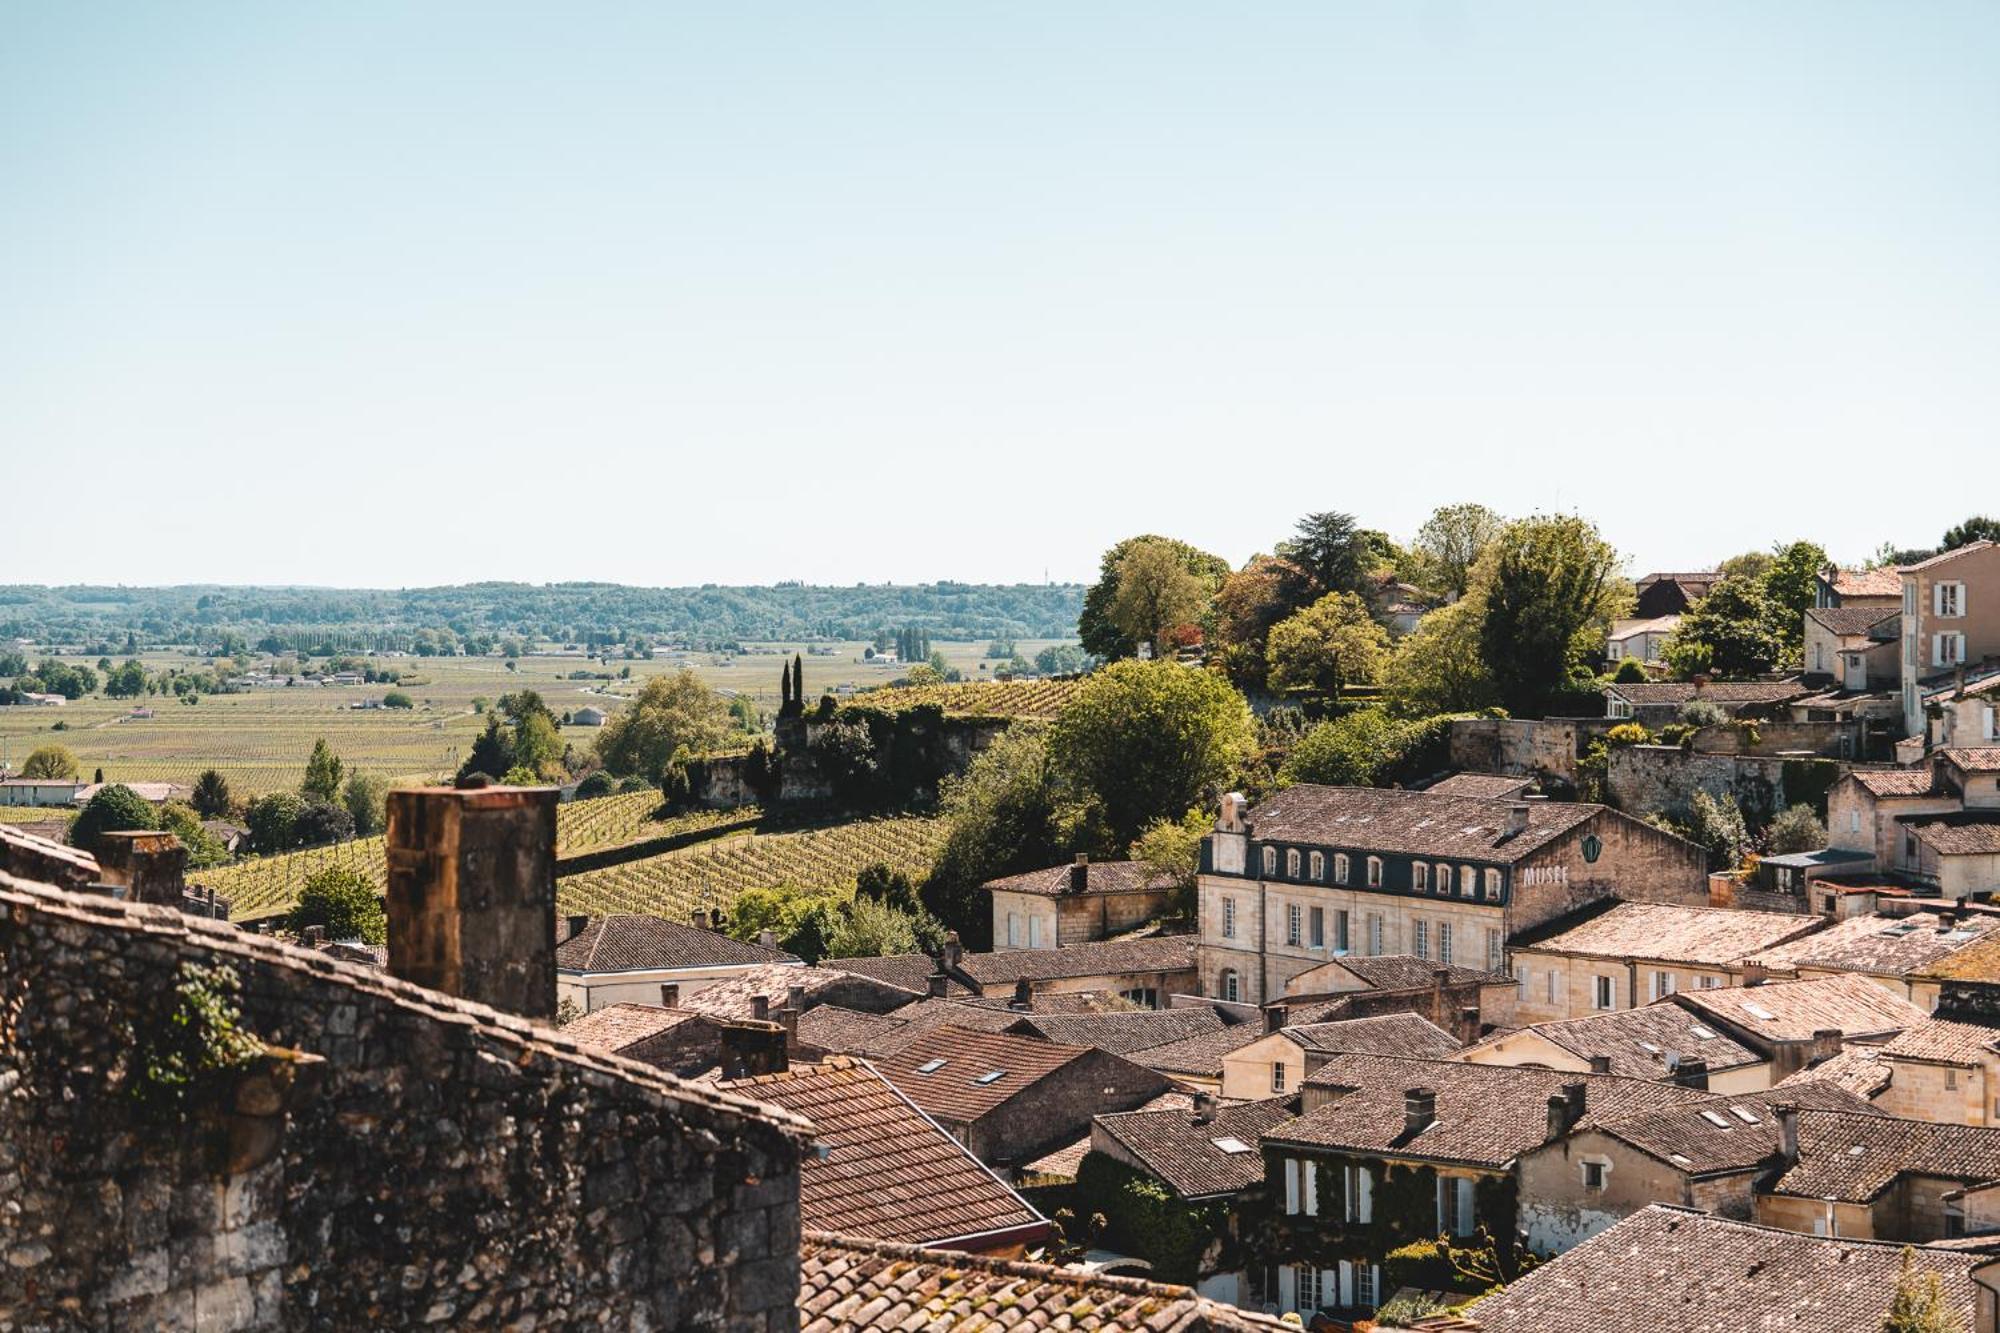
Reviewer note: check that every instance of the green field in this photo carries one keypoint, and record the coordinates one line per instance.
(260, 740)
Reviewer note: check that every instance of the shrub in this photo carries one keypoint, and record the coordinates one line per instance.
(204, 849)
(1797, 829)
(597, 784)
(1629, 672)
(1628, 733)
(321, 822)
(1350, 751)
(211, 795)
(116, 809)
(398, 699)
(50, 763)
(1703, 713)
(344, 901)
(366, 798)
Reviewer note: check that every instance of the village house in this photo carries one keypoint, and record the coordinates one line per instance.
(1279, 1062)
(679, 1041)
(1875, 1177)
(1854, 649)
(834, 1028)
(1639, 640)
(611, 959)
(1145, 972)
(1120, 1033)
(590, 715)
(1659, 1041)
(40, 792)
(1010, 1099)
(759, 990)
(1951, 618)
(1880, 587)
(1792, 1023)
(1198, 1062)
(1703, 1274)
(1672, 594)
(1654, 704)
(1895, 949)
(1948, 1070)
(1075, 904)
(1315, 874)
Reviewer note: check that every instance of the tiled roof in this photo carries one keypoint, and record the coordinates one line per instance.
(1720, 692)
(1638, 1042)
(1893, 781)
(651, 943)
(1942, 556)
(885, 1169)
(1698, 577)
(1860, 1070)
(1881, 581)
(1853, 1157)
(1382, 1034)
(830, 1027)
(1200, 1056)
(1974, 759)
(733, 997)
(1968, 834)
(619, 1027)
(847, 1285)
(952, 1088)
(1481, 786)
(1945, 1040)
(997, 971)
(1486, 1114)
(1978, 961)
(1198, 1158)
(1411, 822)
(1852, 620)
(1099, 877)
(1881, 945)
(1406, 971)
(1675, 1270)
(1659, 932)
(1794, 1010)
(1688, 1138)
(1065, 1161)
(1124, 1033)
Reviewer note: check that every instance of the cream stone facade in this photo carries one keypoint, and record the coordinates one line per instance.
(1555, 986)
(1951, 617)
(1527, 1048)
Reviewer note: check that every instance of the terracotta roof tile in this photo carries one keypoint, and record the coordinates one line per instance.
(1411, 822)
(1065, 1161)
(997, 971)
(1882, 581)
(1121, 1033)
(1379, 1034)
(1200, 1056)
(1975, 759)
(1099, 877)
(1688, 1138)
(1198, 1158)
(1659, 932)
(1893, 781)
(1482, 786)
(1855, 620)
(617, 1028)
(1404, 971)
(1880, 945)
(946, 1070)
(1971, 833)
(1944, 1040)
(1942, 556)
(831, 1027)
(1860, 1070)
(1737, 692)
(651, 943)
(1639, 1042)
(734, 997)
(1853, 1157)
(1794, 1010)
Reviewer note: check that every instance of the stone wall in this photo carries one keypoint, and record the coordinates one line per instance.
(1831, 740)
(1642, 779)
(1524, 747)
(427, 1161)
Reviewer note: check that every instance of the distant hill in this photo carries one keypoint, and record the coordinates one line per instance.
(593, 613)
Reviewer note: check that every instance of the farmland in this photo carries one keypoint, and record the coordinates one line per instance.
(1041, 699)
(260, 740)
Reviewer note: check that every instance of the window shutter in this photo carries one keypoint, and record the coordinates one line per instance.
(1364, 1180)
(1292, 1186)
(1288, 1288)
(1310, 1170)
(1464, 1206)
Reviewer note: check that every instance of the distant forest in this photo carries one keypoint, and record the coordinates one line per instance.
(228, 618)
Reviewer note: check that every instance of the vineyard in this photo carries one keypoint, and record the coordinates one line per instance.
(982, 698)
(267, 883)
(711, 875)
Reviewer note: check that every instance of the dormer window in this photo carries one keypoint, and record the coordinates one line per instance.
(1340, 867)
(1443, 877)
(1270, 860)
(1492, 886)
(1468, 881)
(1420, 877)
(1374, 872)
(1292, 864)
(1318, 864)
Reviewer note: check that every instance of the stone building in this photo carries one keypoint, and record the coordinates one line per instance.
(1146, 972)
(1659, 1041)
(1951, 618)
(624, 958)
(1315, 874)
(1075, 904)
(1280, 1061)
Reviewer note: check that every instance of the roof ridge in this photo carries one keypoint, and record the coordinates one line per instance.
(999, 1267)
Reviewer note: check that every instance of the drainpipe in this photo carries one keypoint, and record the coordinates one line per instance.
(1263, 942)
(1631, 983)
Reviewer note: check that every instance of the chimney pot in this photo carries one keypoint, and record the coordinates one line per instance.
(767, 938)
(699, 919)
(954, 952)
(313, 937)
(670, 994)
(1419, 1109)
(1692, 1072)
(1826, 1043)
(1079, 874)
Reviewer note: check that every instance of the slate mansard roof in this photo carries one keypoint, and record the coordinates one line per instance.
(1412, 823)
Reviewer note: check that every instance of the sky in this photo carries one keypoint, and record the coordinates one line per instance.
(390, 294)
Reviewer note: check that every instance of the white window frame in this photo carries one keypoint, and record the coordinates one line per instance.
(1420, 938)
(1492, 878)
(1231, 986)
(1374, 934)
(1340, 864)
(1948, 599)
(1441, 879)
(1603, 992)
(1034, 931)
(1291, 1187)
(1228, 918)
(1374, 872)
(1420, 877)
(1554, 977)
(1013, 930)
(1947, 649)
(1292, 863)
(1270, 861)
(1316, 928)
(1444, 943)
(1340, 935)
(1662, 985)
(1294, 924)
(1277, 1076)
(1468, 881)
(1495, 955)
(1317, 864)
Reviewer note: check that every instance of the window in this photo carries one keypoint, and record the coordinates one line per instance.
(1277, 1076)
(1552, 985)
(930, 1066)
(1231, 991)
(1293, 915)
(1228, 918)
(1270, 860)
(1617, 706)
(1146, 997)
(1360, 1190)
(1604, 989)
(1374, 872)
(1013, 929)
(1235, 1147)
(1444, 942)
(1593, 1177)
(1374, 934)
(1494, 961)
(1340, 931)
(1291, 1186)
(990, 1076)
(1420, 877)
(1521, 980)
(1454, 1196)
(1308, 1289)
(1443, 877)
(1910, 598)
(1948, 599)
(1663, 984)
(1340, 867)
(1706, 982)
(1036, 933)
(1318, 864)
(1951, 1079)
(1318, 936)
(1854, 821)
(1292, 863)
(1492, 886)
(1947, 649)
(1468, 881)
(1420, 933)
(1309, 1181)
(1364, 1285)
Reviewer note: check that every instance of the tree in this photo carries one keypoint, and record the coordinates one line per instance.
(1003, 816)
(1920, 1304)
(204, 849)
(1977, 528)
(366, 799)
(597, 784)
(115, 809)
(1717, 825)
(1790, 586)
(492, 753)
(1156, 594)
(1449, 544)
(1729, 633)
(1797, 829)
(1547, 589)
(1142, 740)
(343, 901)
(272, 820)
(1247, 605)
(1101, 636)
(211, 795)
(323, 773)
(672, 713)
(1170, 849)
(1330, 644)
(49, 763)
(1333, 551)
(321, 822)
(538, 745)
(126, 682)
(1437, 667)
(398, 699)
(1350, 751)
(869, 928)
(1749, 565)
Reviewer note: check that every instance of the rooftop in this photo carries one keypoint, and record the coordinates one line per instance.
(884, 1169)
(1421, 823)
(1406, 971)
(651, 943)
(1974, 759)
(1659, 932)
(617, 1028)
(1860, 1070)
(831, 1027)
(1881, 581)
(1382, 1034)
(1729, 1134)
(1121, 1033)
(1794, 1010)
(1097, 876)
(997, 971)
(1893, 781)
(1064, 1162)
(959, 1075)
(1721, 691)
(1944, 556)
(1854, 1157)
(1481, 786)
(1848, 621)
(735, 996)
(1199, 1056)
(1641, 1043)
(1880, 945)
(1675, 1270)
(1944, 1041)
(1196, 1157)
(1970, 833)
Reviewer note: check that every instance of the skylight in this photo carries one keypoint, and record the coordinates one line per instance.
(1857, 1150)
(1759, 1011)
(930, 1066)
(1706, 1034)
(1743, 1114)
(1231, 1145)
(1715, 1118)
(1679, 1160)
(1650, 1046)
(991, 1076)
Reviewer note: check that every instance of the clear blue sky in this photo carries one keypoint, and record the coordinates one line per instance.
(394, 293)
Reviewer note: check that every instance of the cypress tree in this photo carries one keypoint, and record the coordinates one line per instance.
(799, 679)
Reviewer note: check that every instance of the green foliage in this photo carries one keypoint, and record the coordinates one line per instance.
(320, 822)
(1977, 528)
(398, 699)
(1144, 1218)
(803, 921)
(1731, 633)
(845, 753)
(1703, 713)
(1629, 672)
(1807, 782)
(1546, 585)
(1408, 1307)
(1628, 733)
(366, 799)
(1438, 667)
(1790, 586)
(1171, 849)
(1062, 659)
(204, 849)
(868, 928)
(54, 677)
(196, 1039)
(345, 902)
(1101, 636)
(1005, 817)
(1349, 751)
(1157, 594)
(1919, 1303)
(1143, 740)
(323, 773)
(126, 682)
(13, 664)
(272, 821)
(1422, 1264)
(1449, 545)
(211, 795)
(1332, 643)
(1333, 550)
(492, 753)
(1717, 826)
(672, 713)
(1796, 829)
(115, 809)
(50, 763)
(597, 784)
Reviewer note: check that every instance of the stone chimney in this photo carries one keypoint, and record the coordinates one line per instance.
(795, 999)
(1692, 1072)
(472, 894)
(1565, 1110)
(753, 1048)
(936, 985)
(760, 1008)
(670, 994)
(1274, 1017)
(1079, 873)
(313, 937)
(1787, 1116)
(577, 925)
(698, 919)
(150, 867)
(1788, 1056)
(1419, 1110)
(1204, 1107)
(1825, 1044)
(1517, 819)
(954, 952)
(1024, 995)
(1600, 1064)
(767, 938)
(1439, 976)
(1468, 1024)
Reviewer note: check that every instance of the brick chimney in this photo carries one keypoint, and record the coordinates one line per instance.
(472, 894)
(954, 952)
(1439, 976)
(150, 866)
(698, 918)
(1419, 1109)
(1692, 1072)
(753, 1048)
(1079, 873)
(1517, 819)
(1787, 1116)
(795, 999)
(670, 994)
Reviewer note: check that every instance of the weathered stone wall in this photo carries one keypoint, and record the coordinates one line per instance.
(1058, 1109)
(1831, 740)
(1524, 747)
(1642, 779)
(443, 1164)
